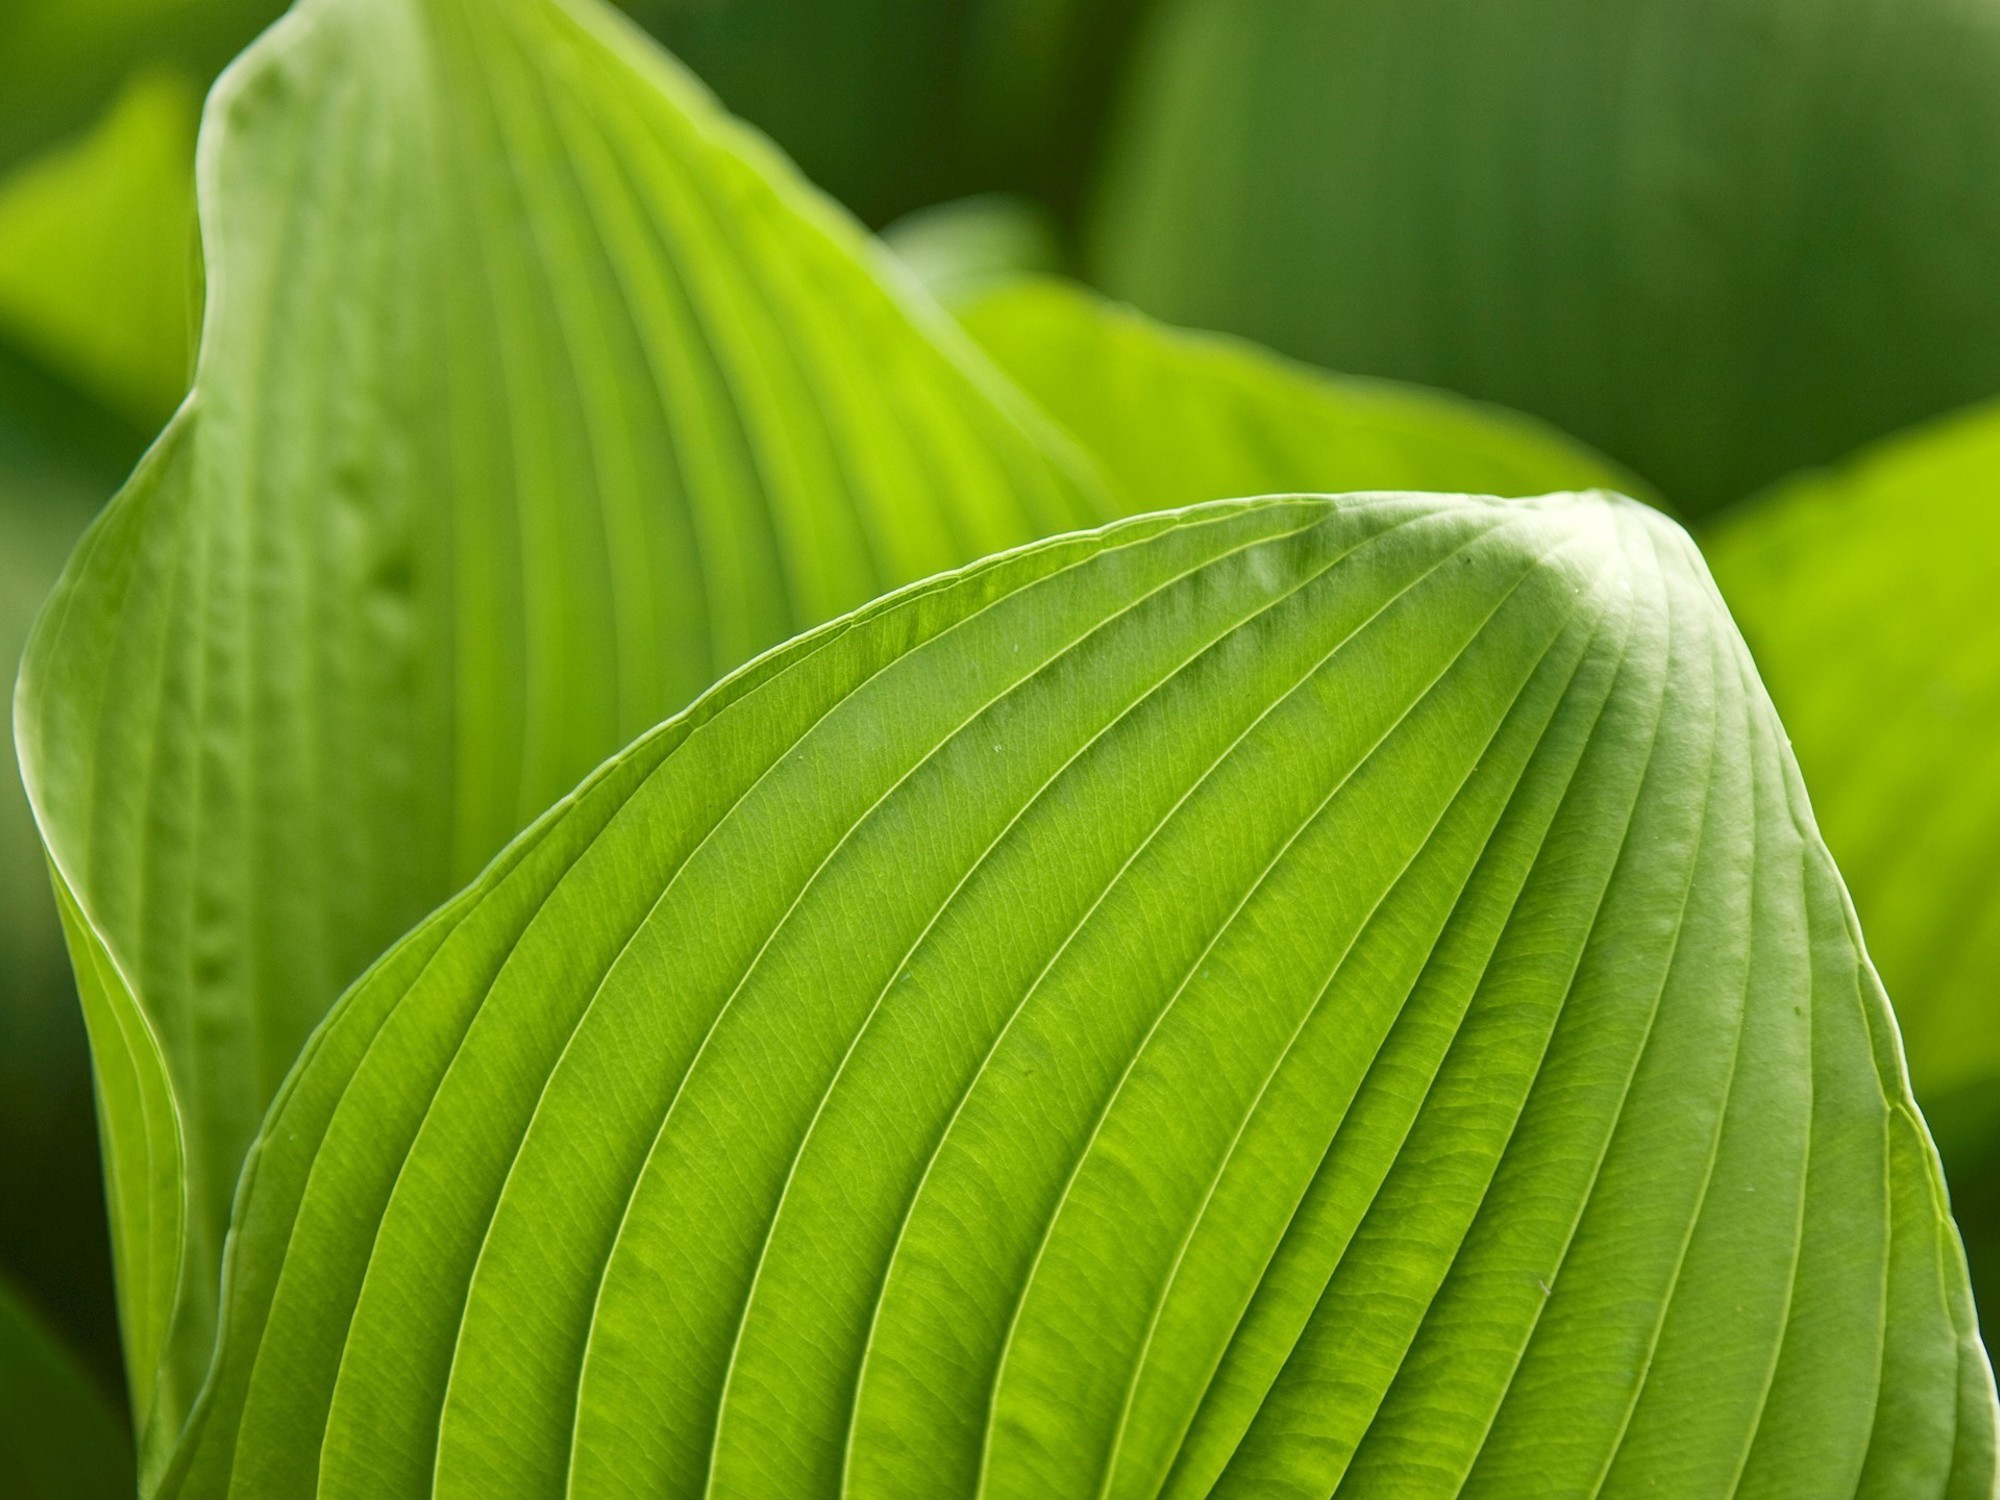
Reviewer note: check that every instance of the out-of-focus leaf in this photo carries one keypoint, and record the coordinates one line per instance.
(60, 457)
(1292, 998)
(1178, 417)
(62, 61)
(963, 248)
(895, 104)
(533, 394)
(58, 1437)
(1871, 596)
(1720, 242)
(95, 244)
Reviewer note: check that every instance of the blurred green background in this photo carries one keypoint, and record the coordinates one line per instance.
(1749, 249)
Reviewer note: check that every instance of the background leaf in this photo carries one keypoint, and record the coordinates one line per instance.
(58, 1437)
(892, 105)
(533, 394)
(1719, 242)
(1294, 997)
(96, 242)
(95, 283)
(63, 61)
(1176, 418)
(60, 456)
(1868, 593)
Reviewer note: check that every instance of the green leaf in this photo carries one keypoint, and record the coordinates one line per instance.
(58, 1437)
(60, 458)
(1719, 242)
(95, 243)
(1179, 417)
(971, 245)
(533, 394)
(63, 61)
(1288, 997)
(895, 104)
(1867, 593)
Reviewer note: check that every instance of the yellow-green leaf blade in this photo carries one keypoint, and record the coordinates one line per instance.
(533, 394)
(1298, 997)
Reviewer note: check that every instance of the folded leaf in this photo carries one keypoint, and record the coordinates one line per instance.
(1719, 241)
(1175, 417)
(1868, 595)
(58, 1437)
(533, 394)
(1288, 998)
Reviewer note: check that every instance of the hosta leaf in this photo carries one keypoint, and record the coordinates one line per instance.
(1283, 998)
(1867, 593)
(533, 394)
(894, 104)
(1720, 241)
(58, 1437)
(95, 244)
(1177, 417)
(60, 457)
(63, 61)
(961, 249)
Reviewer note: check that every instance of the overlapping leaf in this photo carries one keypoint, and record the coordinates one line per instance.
(1176, 418)
(58, 1437)
(1868, 595)
(1718, 241)
(1288, 998)
(533, 394)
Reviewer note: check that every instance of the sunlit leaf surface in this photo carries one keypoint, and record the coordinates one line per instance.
(1719, 241)
(1176, 418)
(1289, 998)
(533, 394)
(1871, 596)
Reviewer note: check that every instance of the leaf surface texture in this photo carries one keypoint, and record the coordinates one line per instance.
(533, 394)
(1296, 997)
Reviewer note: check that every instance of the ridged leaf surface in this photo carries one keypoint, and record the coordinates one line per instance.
(533, 394)
(1282, 999)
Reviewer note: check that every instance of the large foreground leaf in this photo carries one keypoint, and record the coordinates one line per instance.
(58, 1437)
(1868, 595)
(1176, 418)
(1720, 241)
(1289, 997)
(533, 394)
